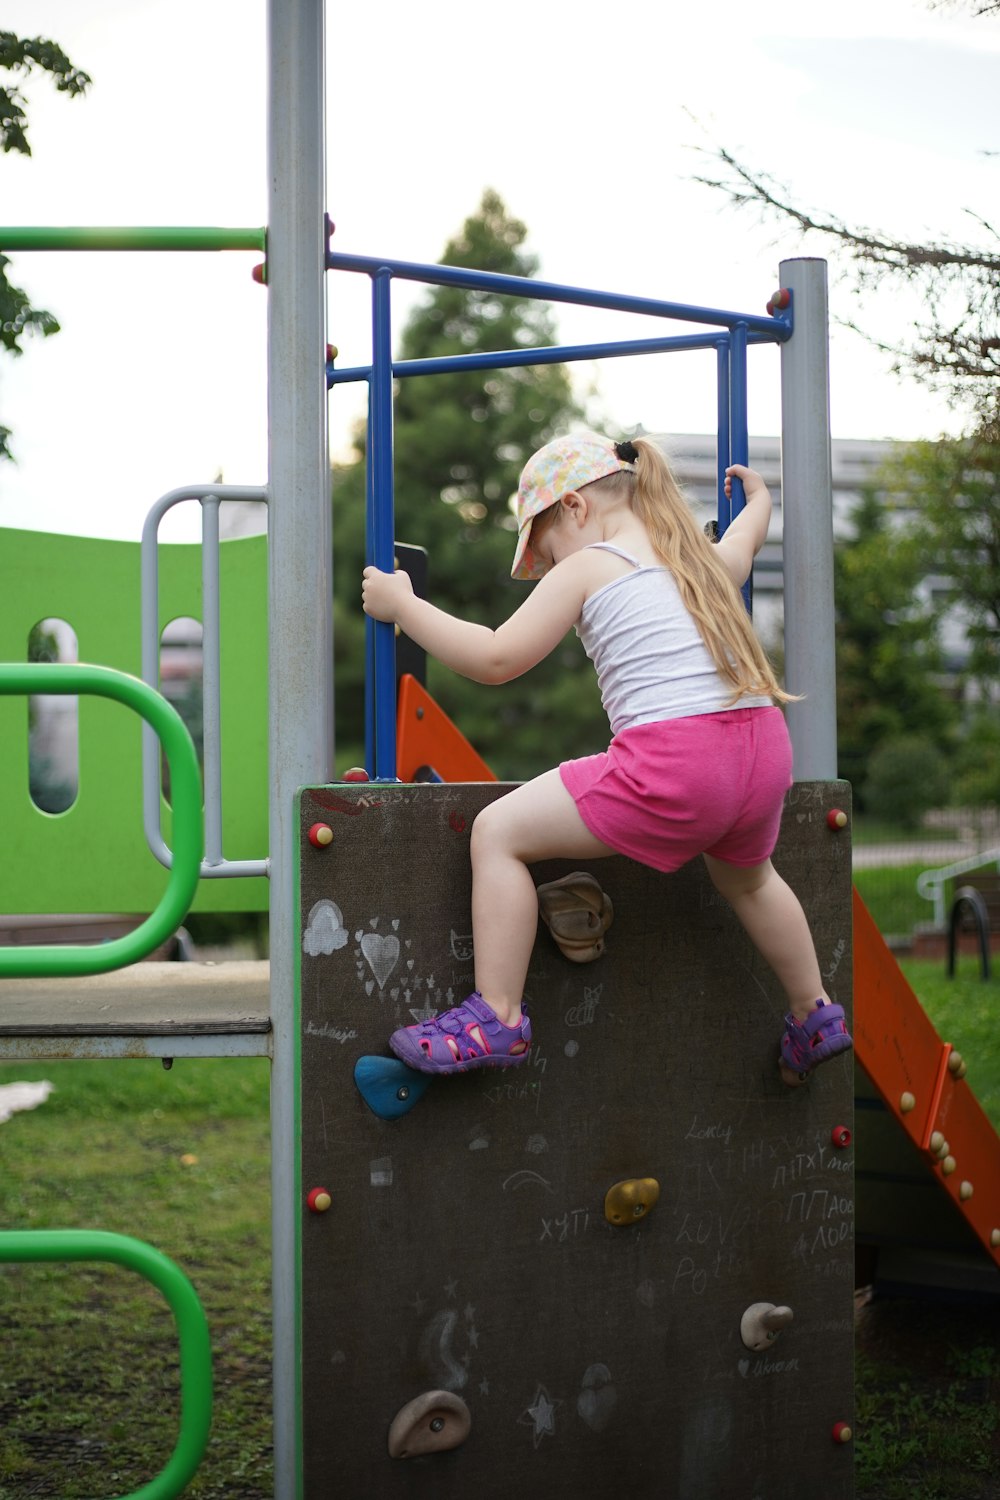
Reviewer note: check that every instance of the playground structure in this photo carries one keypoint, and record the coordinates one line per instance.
(628, 1335)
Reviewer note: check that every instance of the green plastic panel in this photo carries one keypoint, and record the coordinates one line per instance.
(466, 1246)
(94, 857)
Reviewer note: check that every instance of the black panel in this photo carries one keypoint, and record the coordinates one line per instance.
(466, 1247)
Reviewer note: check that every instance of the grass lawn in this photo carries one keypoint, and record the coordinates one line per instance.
(88, 1367)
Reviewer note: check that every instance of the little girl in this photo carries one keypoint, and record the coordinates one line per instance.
(685, 684)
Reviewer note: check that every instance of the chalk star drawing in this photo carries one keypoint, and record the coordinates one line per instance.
(541, 1415)
(418, 1304)
(470, 1313)
(451, 1289)
(484, 1387)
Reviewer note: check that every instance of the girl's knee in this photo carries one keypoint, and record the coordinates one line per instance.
(487, 830)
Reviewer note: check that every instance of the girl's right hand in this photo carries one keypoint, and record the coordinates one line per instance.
(383, 595)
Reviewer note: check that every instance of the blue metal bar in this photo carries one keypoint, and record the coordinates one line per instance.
(774, 329)
(383, 520)
(739, 432)
(556, 354)
(724, 441)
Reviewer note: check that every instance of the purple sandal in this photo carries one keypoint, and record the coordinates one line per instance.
(820, 1036)
(470, 1036)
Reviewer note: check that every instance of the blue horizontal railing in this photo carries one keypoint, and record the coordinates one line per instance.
(775, 328)
(733, 333)
(556, 354)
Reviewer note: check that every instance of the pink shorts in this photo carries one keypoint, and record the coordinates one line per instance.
(710, 784)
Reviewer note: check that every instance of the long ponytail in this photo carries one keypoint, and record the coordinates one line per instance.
(706, 589)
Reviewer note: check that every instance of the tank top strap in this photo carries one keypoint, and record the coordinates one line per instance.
(610, 547)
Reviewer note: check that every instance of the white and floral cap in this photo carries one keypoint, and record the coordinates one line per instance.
(567, 463)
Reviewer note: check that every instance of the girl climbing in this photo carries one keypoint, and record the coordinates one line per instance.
(619, 555)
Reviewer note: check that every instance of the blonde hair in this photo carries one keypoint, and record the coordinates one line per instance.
(706, 589)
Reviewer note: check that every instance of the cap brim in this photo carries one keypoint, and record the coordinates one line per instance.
(523, 563)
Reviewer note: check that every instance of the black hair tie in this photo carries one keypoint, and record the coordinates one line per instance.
(627, 452)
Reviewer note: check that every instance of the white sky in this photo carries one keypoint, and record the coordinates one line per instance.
(582, 116)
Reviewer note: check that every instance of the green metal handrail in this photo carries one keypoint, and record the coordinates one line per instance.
(188, 832)
(126, 237)
(22, 1245)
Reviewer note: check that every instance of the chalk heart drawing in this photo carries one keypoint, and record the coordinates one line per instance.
(598, 1398)
(744, 1368)
(381, 954)
(325, 930)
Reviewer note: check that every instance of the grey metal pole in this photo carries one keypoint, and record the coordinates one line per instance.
(300, 595)
(807, 520)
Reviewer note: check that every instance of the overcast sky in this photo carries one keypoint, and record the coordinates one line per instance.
(586, 118)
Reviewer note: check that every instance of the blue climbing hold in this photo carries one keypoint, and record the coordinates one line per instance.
(389, 1088)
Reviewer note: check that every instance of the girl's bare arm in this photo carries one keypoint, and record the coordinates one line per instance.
(475, 651)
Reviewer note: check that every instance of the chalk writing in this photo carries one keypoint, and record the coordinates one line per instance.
(765, 1366)
(331, 1032)
(567, 1226)
(698, 1132)
(840, 949)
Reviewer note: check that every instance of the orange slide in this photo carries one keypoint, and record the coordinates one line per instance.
(921, 1081)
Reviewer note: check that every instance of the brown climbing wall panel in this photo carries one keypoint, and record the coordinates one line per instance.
(466, 1247)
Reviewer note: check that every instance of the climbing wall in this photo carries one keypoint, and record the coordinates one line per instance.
(465, 1247)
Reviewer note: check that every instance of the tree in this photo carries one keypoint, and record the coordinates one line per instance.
(955, 347)
(21, 56)
(889, 661)
(460, 443)
(952, 489)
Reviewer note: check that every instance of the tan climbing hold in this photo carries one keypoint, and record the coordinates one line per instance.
(578, 913)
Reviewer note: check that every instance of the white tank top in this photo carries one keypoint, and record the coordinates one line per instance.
(650, 658)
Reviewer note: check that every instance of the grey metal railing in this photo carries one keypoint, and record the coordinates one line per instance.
(214, 865)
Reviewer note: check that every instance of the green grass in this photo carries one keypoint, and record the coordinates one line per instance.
(928, 1423)
(88, 1363)
(88, 1375)
(868, 830)
(890, 894)
(965, 1011)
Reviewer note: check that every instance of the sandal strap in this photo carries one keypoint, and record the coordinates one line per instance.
(821, 1017)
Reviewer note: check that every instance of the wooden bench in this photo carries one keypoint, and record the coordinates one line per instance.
(155, 1009)
(975, 908)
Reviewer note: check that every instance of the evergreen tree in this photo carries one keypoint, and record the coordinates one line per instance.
(460, 443)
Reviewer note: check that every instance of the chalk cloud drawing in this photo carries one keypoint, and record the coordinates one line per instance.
(598, 1398)
(325, 931)
(540, 1415)
(381, 955)
(381, 1171)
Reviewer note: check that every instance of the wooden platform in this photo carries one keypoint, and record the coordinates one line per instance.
(147, 1010)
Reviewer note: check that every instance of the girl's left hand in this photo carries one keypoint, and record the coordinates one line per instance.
(384, 594)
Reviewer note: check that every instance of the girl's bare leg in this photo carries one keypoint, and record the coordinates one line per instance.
(776, 924)
(537, 821)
